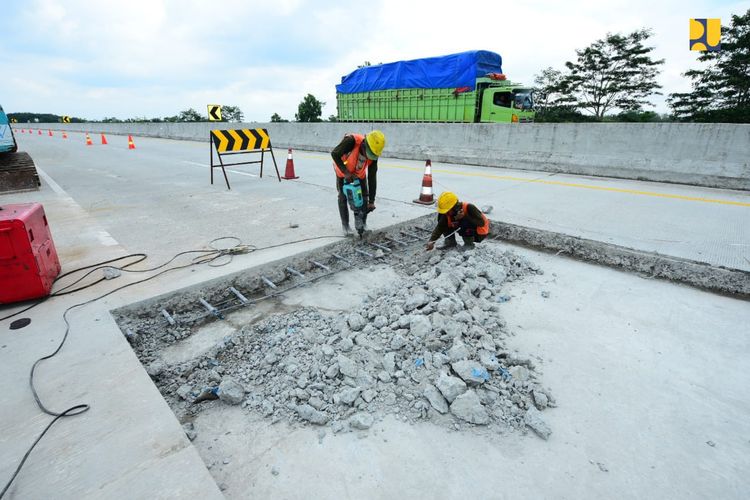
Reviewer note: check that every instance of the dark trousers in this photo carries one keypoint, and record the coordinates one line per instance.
(344, 203)
(468, 233)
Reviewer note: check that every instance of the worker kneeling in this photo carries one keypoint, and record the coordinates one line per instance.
(457, 217)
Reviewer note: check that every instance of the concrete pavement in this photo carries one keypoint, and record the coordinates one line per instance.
(702, 154)
(626, 357)
(702, 224)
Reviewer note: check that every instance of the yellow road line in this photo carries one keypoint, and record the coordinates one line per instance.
(569, 184)
(581, 186)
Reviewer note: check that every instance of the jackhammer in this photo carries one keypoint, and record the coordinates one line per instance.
(353, 193)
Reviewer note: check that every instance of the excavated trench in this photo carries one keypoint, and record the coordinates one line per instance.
(340, 337)
(343, 335)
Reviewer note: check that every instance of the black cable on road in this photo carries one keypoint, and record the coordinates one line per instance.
(206, 257)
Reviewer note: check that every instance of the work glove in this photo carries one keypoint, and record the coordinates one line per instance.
(370, 207)
(430, 246)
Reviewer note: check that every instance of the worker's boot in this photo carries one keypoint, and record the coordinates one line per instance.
(450, 242)
(468, 242)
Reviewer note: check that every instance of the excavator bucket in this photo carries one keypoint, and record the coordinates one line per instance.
(17, 170)
(17, 173)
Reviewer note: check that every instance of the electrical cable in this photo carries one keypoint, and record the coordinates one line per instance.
(207, 257)
(64, 275)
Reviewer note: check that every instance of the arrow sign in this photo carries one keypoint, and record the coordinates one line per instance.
(214, 112)
(66, 119)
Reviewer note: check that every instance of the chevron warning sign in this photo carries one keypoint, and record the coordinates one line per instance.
(214, 112)
(239, 141)
(250, 139)
(66, 119)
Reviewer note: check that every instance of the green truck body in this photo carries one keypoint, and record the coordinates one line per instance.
(492, 101)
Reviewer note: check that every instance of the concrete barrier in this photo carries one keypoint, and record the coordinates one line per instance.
(712, 155)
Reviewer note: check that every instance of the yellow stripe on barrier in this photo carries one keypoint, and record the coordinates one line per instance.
(237, 146)
(223, 140)
(265, 140)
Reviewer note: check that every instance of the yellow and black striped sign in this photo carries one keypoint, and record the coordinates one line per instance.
(228, 141)
(13, 120)
(66, 119)
(214, 112)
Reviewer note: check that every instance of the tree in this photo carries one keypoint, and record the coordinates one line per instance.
(720, 91)
(548, 86)
(232, 114)
(25, 117)
(614, 73)
(333, 118)
(277, 119)
(309, 109)
(190, 115)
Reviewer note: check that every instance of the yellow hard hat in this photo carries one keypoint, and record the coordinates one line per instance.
(446, 201)
(375, 144)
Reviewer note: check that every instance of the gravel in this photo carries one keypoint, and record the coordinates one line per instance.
(431, 348)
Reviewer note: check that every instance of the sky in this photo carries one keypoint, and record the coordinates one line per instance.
(155, 58)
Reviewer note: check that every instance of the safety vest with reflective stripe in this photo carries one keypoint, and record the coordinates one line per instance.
(355, 164)
(483, 229)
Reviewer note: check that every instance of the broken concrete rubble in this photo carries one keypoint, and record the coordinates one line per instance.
(533, 419)
(468, 407)
(431, 348)
(230, 391)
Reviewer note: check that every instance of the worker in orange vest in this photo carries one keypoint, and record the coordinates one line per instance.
(457, 217)
(356, 156)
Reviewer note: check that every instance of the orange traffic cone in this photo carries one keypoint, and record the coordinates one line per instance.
(65, 135)
(289, 173)
(131, 144)
(88, 140)
(50, 133)
(426, 197)
(104, 139)
(40, 131)
(23, 131)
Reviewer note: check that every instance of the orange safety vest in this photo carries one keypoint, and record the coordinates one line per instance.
(354, 163)
(483, 229)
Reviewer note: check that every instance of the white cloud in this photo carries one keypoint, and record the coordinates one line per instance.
(157, 57)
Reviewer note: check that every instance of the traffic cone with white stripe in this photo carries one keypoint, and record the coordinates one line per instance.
(50, 133)
(426, 196)
(89, 142)
(131, 144)
(104, 139)
(40, 131)
(65, 135)
(289, 173)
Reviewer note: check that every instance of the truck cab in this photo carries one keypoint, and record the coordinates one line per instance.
(502, 101)
(7, 140)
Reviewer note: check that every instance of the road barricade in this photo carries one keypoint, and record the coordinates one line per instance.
(240, 142)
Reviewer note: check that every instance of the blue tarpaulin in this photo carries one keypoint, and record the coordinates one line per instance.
(451, 71)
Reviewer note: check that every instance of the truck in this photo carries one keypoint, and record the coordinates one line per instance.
(17, 169)
(467, 87)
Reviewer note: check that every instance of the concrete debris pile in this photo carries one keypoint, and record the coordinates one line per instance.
(431, 348)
